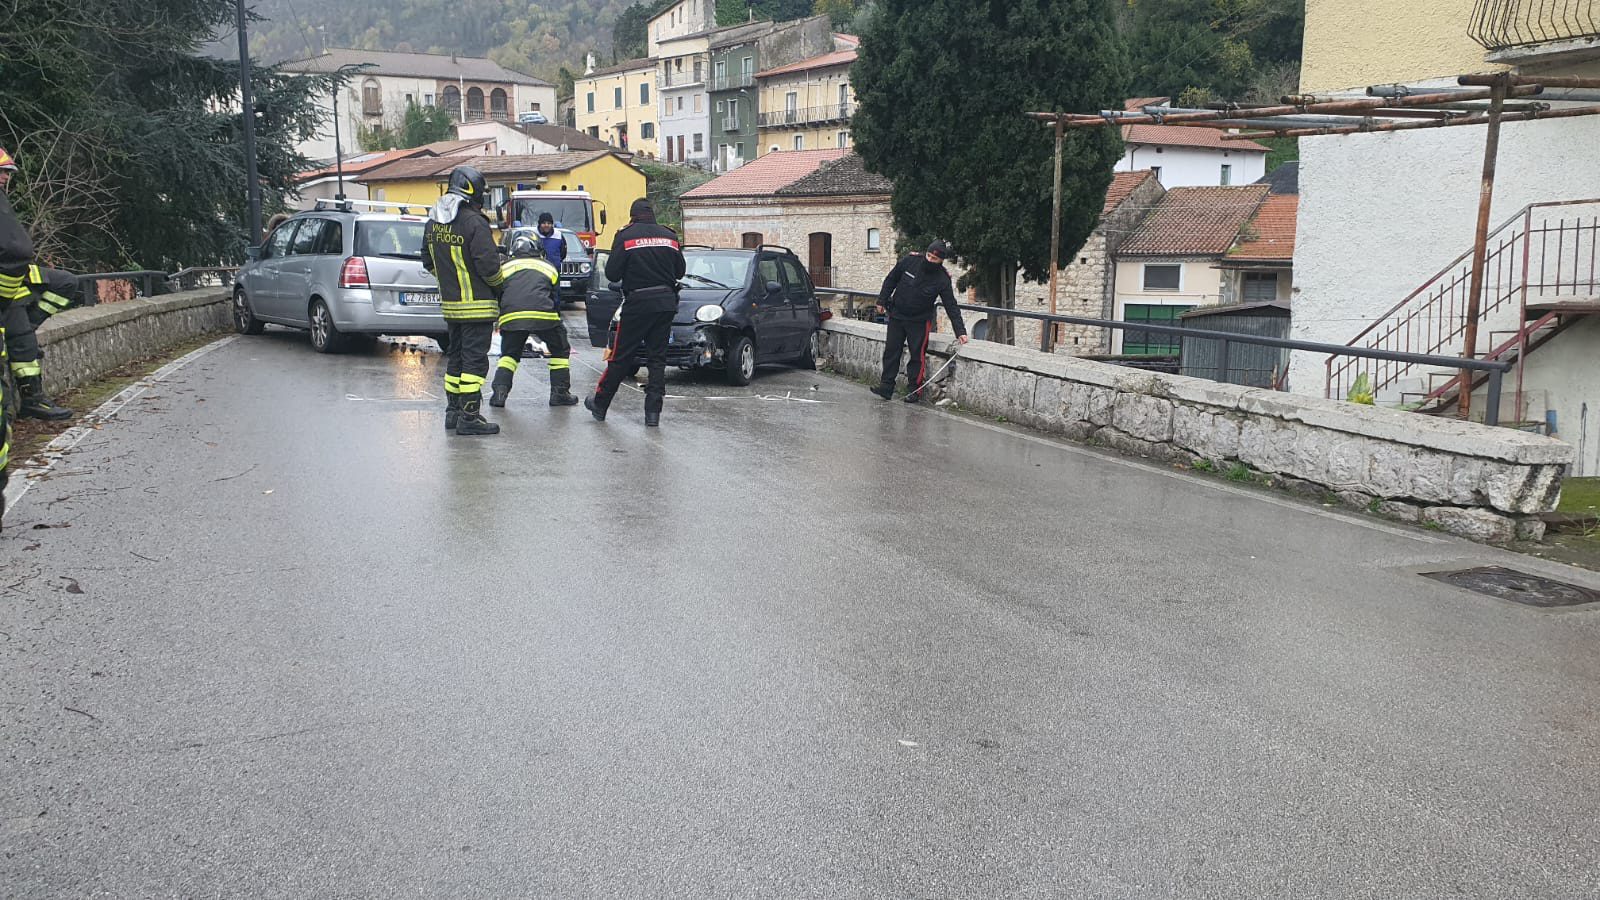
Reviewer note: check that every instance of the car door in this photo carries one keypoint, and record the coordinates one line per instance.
(769, 310)
(294, 273)
(264, 287)
(799, 294)
(600, 302)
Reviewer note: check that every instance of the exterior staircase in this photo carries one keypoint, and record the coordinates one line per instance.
(1541, 275)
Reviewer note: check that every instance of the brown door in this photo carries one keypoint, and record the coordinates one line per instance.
(821, 259)
(750, 240)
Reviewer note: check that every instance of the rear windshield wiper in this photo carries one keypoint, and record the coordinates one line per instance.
(715, 284)
(401, 255)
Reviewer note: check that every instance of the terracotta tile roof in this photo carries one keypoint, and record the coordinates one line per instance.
(1270, 235)
(1124, 184)
(1195, 221)
(442, 67)
(846, 175)
(1179, 135)
(453, 148)
(363, 162)
(764, 176)
(435, 167)
(836, 58)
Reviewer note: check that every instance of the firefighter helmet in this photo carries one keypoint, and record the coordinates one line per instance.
(470, 184)
(525, 247)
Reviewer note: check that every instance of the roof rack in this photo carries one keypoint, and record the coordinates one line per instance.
(696, 247)
(776, 247)
(348, 205)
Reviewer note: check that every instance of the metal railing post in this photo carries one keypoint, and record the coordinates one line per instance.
(1491, 403)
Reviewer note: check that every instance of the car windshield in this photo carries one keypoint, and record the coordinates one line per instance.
(397, 238)
(725, 268)
(569, 212)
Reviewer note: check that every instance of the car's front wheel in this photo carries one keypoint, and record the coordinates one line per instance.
(325, 338)
(741, 361)
(245, 321)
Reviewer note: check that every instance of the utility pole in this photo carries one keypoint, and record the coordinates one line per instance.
(253, 186)
(338, 151)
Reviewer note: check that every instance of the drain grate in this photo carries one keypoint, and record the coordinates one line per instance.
(1518, 587)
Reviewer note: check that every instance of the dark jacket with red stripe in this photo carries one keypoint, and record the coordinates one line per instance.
(648, 261)
(913, 291)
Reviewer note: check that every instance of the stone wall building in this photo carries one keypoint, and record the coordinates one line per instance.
(822, 204)
(1087, 284)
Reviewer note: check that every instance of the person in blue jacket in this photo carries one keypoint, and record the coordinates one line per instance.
(555, 247)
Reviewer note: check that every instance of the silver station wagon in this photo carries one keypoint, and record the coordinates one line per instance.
(345, 272)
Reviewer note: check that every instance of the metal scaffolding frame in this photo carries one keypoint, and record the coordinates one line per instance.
(1488, 100)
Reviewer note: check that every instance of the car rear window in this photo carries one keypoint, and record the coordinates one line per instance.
(398, 238)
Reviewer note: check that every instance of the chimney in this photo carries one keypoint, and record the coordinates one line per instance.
(750, 10)
(588, 64)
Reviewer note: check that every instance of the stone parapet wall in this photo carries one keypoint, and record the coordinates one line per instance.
(1488, 484)
(80, 345)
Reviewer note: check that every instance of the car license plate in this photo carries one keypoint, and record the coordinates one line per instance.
(419, 298)
(566, 285)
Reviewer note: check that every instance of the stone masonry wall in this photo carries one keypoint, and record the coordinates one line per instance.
(83, 344)
(1489, 484)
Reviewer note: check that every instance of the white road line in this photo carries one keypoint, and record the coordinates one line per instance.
(24, 477)
(1187, 478)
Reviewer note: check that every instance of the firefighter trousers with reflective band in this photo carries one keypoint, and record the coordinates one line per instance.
(652, 329)
(512, 343)
(22, 345)
(466, 365)
(905, 335)
(5, 409)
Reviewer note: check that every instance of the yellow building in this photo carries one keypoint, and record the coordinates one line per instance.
(613, 183)
(807, 105)
(618, 106)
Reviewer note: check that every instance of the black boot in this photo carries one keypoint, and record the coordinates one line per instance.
(501, 390)
(452, 411)
(652, 411)
(561, 388)
(595, 407)
(472, 421)
(35, 405)
(886, 393)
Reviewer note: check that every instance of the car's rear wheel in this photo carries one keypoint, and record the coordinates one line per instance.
(808, 360)
(325, 338)
(741, 361)
(245, 321)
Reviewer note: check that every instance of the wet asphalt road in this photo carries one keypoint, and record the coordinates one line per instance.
(286, 638)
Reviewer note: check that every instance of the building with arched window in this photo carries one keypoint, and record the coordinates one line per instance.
(469, 88)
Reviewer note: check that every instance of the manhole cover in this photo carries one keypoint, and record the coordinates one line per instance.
(1518, 587)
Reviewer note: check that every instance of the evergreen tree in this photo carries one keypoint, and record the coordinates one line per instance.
(629, 39)
(131, 144)
(1213, 49)
(944, 87)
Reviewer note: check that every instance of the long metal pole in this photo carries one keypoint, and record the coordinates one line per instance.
(247, 101)
(338, 152)
(1047, 339)
(1480, 248)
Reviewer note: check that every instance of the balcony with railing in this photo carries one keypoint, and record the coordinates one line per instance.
(1518, 31)
(670, 80)
(807, 115)
(730, 123)
(732, 82)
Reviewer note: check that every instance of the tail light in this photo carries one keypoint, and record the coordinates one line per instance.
(587, 239)
(827, 314)
(354, 273)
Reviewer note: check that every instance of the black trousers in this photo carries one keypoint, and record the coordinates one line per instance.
(512, 344)
(905, 335)
(466, 361)
(651, 329)
(22, 345)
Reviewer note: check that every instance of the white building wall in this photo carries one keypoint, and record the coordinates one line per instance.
(1380, 214)
(1194, 167)
(1562, 378)
(396, 92)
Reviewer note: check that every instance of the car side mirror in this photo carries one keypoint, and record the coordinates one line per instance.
(602, 217)
(774, 288)
(252, 252)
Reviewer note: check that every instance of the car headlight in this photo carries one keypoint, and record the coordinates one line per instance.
(711, 312)
(585, 269)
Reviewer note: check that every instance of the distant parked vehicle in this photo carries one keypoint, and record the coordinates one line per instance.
(571, 209)
(532, 118)
(737, 309)
(345, 273)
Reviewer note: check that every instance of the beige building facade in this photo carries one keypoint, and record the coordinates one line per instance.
(808, 105)
(618, 105)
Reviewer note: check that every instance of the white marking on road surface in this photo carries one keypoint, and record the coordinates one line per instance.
(1202, 482)
(26, 476)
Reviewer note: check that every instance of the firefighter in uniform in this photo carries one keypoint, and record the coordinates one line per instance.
(459, 250)
(648, 260)
(16, 255)
(528, 309)
(48, 292)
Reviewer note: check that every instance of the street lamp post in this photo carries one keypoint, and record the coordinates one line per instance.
(338, 152)
(253, 179)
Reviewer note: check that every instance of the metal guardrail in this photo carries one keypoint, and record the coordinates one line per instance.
(1496, 369)
(150, 282)
(1503, 24)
